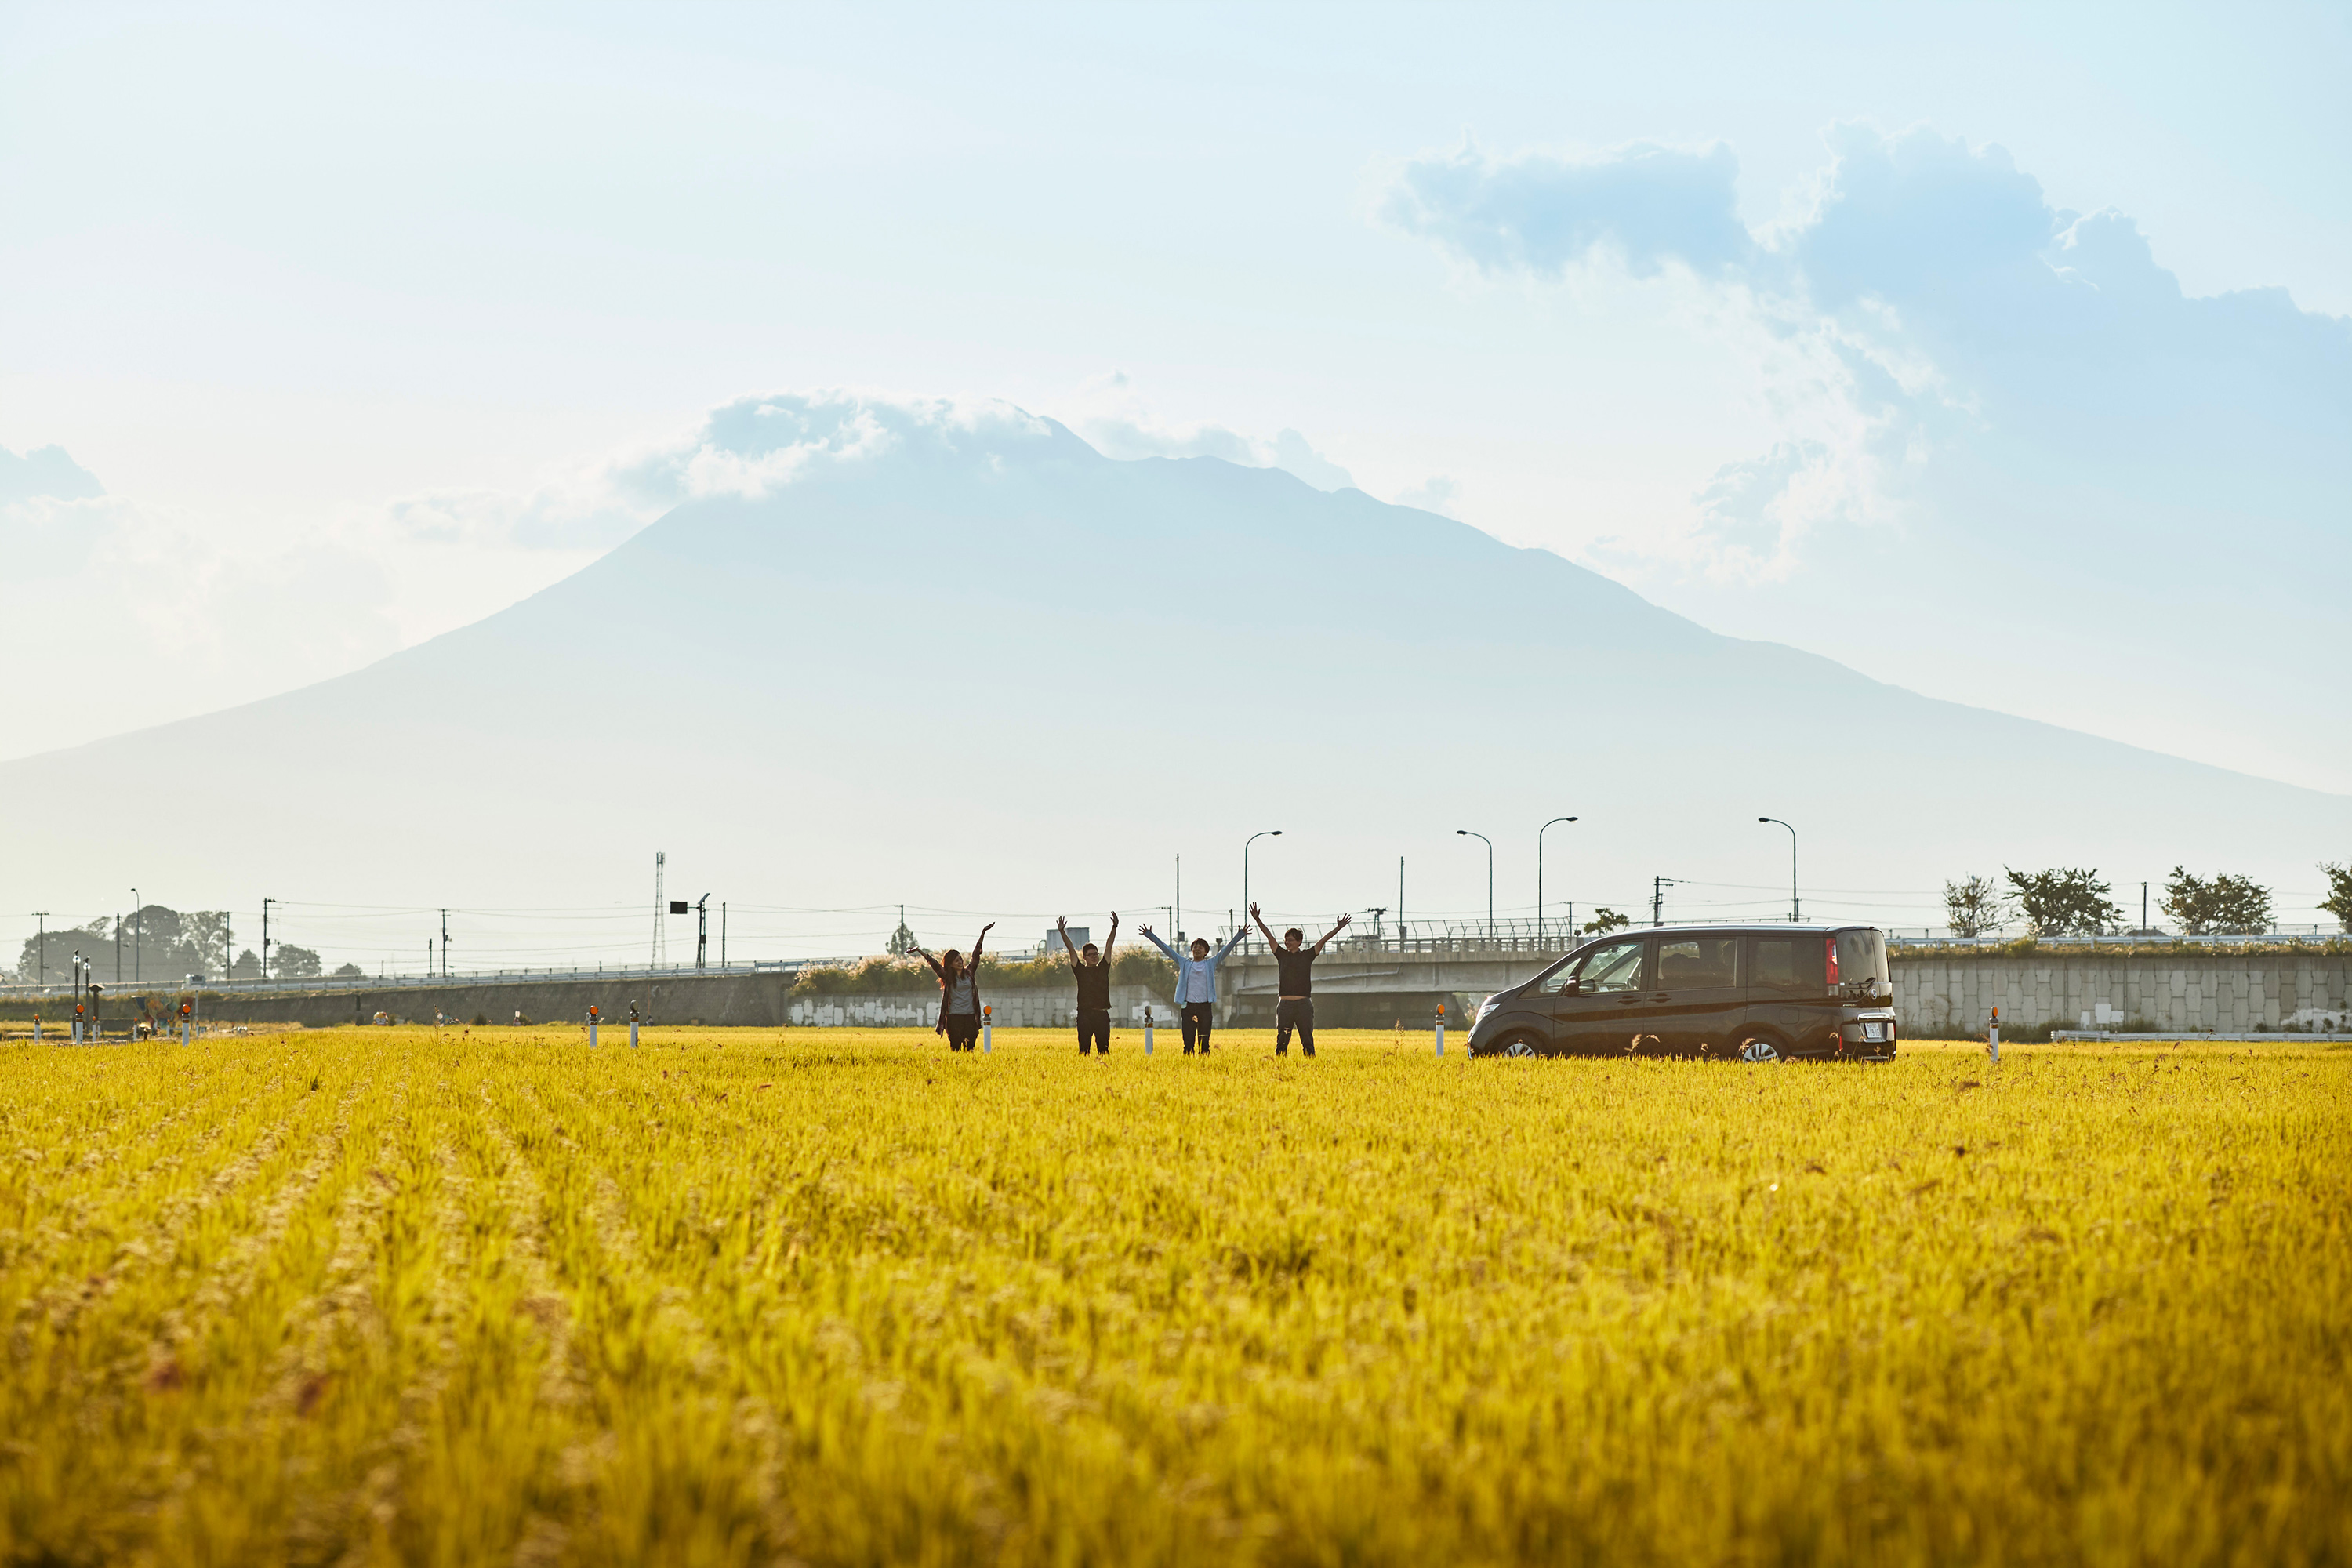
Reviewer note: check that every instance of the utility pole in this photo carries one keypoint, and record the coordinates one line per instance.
(701, 929)
(118, 949)
(660, 907)
(722, 934)
(1658, 886)
(1402, 933)
(445, 944)
(41, 948)
(138, 913)
(1176, 917)
(265, 936)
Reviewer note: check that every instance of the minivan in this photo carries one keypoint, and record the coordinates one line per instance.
(1759, 994)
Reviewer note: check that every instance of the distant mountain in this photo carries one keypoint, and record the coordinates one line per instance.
(959, 657)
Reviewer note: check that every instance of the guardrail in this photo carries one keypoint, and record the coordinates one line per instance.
(275, 984)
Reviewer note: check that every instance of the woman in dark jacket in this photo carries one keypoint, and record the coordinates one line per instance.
(959, 992)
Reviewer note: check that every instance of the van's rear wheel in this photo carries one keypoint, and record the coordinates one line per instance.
(1759, 1049)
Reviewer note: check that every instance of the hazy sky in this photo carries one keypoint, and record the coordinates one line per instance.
(359, 321)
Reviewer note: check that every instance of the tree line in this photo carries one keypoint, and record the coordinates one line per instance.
(2074, 901)
(161, 946)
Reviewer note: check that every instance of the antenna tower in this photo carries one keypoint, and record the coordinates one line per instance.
(660, 904)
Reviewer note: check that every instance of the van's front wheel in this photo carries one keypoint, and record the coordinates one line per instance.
(1759, 1049)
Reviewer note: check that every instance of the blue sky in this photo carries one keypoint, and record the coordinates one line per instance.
(363, 321)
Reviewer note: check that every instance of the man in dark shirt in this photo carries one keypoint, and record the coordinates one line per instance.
(1294, 1009)
(1093, 970)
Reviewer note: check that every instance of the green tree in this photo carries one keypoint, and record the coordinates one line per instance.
(296, 963)
(2236, 906)
(1976, 907)
(902, 941)
(2339, 901)
(2064, 901)
(1605, 919)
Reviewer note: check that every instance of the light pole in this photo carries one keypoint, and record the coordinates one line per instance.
(1269, 833)
(136, 932)
(265, 936)
(1465, 833)
(41, 948)
(1539, 897)
(1794, 915)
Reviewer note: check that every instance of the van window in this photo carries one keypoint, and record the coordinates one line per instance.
(1615, 967)
(1788, 965)
(1698, 964)
(1862, 963)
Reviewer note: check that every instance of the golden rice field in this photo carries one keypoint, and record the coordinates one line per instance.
(837, 1296)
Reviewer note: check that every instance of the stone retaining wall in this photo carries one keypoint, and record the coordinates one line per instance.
(2173, 991)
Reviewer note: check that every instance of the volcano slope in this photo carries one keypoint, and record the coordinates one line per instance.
(898, 651)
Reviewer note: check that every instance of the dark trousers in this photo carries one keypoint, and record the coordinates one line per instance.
(963, 1032)
(1197, 1025)
(1294, 1012)
(1094, 1029)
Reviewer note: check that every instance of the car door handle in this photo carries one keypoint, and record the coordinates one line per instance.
(1661, 996)
(1627, 1001)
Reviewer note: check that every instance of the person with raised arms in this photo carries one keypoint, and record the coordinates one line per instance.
(1295, 1005)
(959, 992)
(1093, 970)
(1196, 982)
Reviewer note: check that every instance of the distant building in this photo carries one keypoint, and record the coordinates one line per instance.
(1079, 937)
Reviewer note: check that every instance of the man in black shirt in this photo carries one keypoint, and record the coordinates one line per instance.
(1296, 1007)
(1093, 970)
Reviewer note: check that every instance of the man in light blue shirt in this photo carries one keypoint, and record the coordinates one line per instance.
(1196, 982)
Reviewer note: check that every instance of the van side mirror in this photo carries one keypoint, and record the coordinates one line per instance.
(1573, 988)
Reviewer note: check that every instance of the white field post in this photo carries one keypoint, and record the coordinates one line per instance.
(987, 1029)
(77, 1037)
(1994, 1038)
(184, 1031)
(1441, 1028)
(36, 1028)
(633, 1034)
(1147, 1031)
(591, 1028)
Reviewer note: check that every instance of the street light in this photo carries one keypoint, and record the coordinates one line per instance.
(1539, 897)
(1794, 915)
(137, 932)
(1269, 833)
(1465, 833)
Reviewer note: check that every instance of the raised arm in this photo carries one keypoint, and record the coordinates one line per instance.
(1153, 938)
(1260, 919)
(1335, 931)
(975, 945)
(1232, 943)
(939, 973)
(1062, 928)
(1112, 937)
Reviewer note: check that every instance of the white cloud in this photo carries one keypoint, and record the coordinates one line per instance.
(1929, 316)
(45, 473)
(1438, 493)
(1111, 414)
